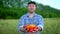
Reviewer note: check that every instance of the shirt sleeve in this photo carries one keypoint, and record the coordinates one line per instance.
(41, 22)
(21, 23)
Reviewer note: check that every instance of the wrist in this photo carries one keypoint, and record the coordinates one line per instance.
(39, 28)
(22, 29)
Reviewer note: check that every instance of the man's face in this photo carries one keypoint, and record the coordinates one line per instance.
(31, 7)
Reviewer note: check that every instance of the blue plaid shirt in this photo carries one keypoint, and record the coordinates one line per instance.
(36, 19)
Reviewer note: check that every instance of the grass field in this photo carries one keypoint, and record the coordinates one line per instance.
(9, 26)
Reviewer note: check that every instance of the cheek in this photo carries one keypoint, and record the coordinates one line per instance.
(34, 8)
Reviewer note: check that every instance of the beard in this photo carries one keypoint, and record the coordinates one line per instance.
(32, 11)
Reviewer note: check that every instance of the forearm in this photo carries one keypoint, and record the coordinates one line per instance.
(40, 27)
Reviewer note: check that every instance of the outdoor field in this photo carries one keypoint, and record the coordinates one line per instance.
(9, 26)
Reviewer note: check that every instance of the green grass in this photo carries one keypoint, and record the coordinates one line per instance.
(9, 26)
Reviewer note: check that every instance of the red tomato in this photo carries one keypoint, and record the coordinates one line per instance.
(31, 30)
(31, 27)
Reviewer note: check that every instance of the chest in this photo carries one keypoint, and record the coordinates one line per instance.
(32, 21)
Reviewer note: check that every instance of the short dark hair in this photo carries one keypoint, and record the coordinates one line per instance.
(32, 2)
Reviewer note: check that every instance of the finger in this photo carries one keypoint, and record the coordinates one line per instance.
(36, 29)
(33, 31)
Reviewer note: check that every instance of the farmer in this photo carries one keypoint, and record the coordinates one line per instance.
(31, 18)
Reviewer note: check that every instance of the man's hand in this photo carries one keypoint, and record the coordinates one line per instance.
(39, 28)
(23, 29)
(35, 29)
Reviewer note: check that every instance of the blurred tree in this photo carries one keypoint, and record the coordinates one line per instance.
(15, 3)
(16, 8)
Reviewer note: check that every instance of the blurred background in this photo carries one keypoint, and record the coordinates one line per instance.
(12, 10)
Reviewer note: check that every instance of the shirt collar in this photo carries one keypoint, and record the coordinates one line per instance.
(33, 16)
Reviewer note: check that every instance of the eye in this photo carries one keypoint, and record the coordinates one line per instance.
(31, 5)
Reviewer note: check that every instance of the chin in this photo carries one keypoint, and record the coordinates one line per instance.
(31, 11)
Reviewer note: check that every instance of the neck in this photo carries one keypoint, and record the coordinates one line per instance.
(31, 14)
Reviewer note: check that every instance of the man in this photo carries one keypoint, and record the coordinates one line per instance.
(31, 18)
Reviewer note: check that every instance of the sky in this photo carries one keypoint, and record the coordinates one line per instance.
(51, 3)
